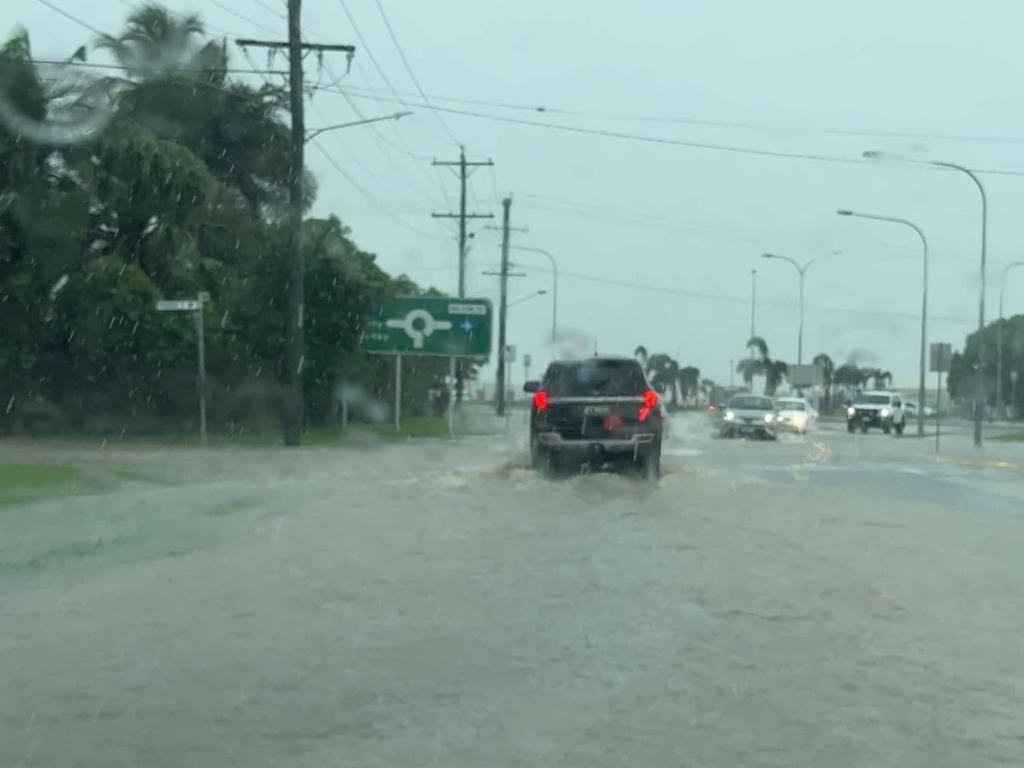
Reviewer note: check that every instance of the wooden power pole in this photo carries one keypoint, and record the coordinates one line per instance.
(506, 204)
(463, 166)
(294, 416)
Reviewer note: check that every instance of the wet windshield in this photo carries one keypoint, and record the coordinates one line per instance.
(390, 384)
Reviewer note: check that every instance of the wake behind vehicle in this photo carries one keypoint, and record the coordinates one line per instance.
(876, 409)
(596, 413)
(749, 416)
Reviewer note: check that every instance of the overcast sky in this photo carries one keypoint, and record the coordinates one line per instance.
(683, 226)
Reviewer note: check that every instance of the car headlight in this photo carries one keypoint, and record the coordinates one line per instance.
(885, 413)
(851, 411)
(768, 417)
(729, 415)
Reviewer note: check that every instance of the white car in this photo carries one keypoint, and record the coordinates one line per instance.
(910, 406)
(794, 414)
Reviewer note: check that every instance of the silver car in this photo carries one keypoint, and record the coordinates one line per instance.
(749, 416)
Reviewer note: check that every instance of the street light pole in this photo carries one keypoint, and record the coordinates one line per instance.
(753, 300)
(924, 304)
(801, 271)
(396, 116)
(999, 337)
(554, 286)
(979, 385)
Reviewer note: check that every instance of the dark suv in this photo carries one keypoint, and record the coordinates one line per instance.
(596, 413)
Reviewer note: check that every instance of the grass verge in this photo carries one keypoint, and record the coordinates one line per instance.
(1009, 437)
(26, 482)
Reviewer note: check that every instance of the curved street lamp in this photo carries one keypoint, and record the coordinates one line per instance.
(979, 386)
(801, 270)
(924, 303)
(554, 285)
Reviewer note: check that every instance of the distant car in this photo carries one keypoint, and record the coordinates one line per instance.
(910, 406)
(598, 413)
(794, 414)
(876, 409)
(749, 416)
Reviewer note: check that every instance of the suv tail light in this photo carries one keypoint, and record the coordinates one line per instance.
(540, 400)
(650, 401)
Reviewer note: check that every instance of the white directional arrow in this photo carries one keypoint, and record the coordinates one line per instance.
(429, 325)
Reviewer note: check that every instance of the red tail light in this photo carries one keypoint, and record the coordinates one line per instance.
(540, 400)
(650, 401)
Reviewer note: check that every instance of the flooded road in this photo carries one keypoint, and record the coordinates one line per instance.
(835, 600)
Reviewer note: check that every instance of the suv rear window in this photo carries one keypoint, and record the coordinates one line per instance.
(608, 378)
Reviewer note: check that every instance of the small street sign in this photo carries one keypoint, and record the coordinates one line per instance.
(430, 326)
(510, 353)
(527, 359)
(940, 357)
(180, 305)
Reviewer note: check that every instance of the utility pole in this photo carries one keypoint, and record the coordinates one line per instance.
(753, 300)
(463, 166)
(506, 205)
(294, 332)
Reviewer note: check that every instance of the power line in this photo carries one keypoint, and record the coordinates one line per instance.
(176, 70)
(663, 140)
(242, 17)
(709, 123)
(372, 200)
(270, 10)
(71, 17)
(412, 75)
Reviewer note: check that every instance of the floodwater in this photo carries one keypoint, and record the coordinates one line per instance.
(436, 603)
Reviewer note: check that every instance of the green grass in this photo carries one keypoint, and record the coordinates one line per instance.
(413, 427)
(26, 482)
(1009, 437)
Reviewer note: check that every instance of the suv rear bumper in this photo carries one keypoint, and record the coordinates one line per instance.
(553, 441)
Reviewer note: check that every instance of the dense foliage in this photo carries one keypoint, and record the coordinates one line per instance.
(964, 364)
(180, 191)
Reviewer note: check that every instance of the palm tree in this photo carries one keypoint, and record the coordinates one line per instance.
(759, 347)
(827, 370)
(178, 89)
(881, 378)
(155, 43)
(664, 373)
(689, 381)
(774, 371)
(748, 368)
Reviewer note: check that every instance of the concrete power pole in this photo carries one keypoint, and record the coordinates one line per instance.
(294, 335)
(463, 166)
(506, 204)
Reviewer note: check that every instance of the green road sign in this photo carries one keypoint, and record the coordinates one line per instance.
(438, 327)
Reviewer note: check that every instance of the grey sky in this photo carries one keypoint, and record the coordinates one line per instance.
(668, 216)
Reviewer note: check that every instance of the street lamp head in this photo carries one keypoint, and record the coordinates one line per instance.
(873, 154)
(541, 292)
(844, 212)
(769, 256)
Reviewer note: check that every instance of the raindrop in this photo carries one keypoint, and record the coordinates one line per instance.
(10, 404)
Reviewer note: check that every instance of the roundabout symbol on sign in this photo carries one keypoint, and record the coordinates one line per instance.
(427, 326)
